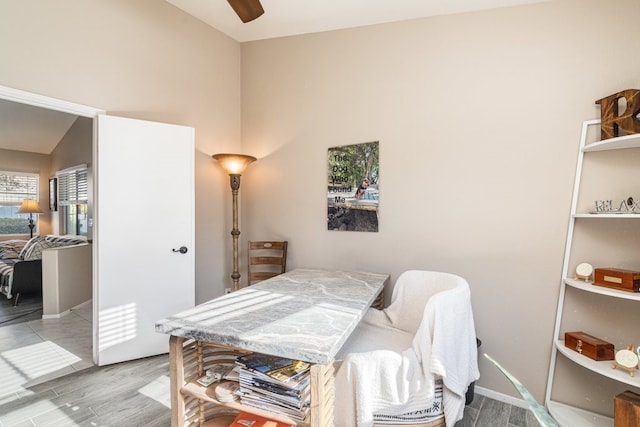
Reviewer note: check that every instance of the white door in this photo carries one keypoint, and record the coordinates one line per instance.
(144, 214)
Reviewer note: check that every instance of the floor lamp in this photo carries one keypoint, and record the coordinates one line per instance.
(234, 165)
(31, 207)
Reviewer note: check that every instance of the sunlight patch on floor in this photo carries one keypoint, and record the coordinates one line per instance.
(158, 390)
(19, 367)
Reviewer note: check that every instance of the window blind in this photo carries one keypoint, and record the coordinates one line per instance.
(15, 187)
(73, 187)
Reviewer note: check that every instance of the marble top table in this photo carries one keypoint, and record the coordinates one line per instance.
(304, 314)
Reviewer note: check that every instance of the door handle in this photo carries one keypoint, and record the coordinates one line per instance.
(182, 250)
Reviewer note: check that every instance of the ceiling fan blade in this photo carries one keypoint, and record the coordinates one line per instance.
(247, 10)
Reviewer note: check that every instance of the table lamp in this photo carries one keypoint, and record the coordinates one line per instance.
(31, 207)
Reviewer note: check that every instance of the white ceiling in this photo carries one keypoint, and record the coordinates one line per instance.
(37, 130)
(292, 17)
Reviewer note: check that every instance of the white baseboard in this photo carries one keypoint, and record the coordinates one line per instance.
(55, 316)
(87, 302)
(501, 397)
(64, 313)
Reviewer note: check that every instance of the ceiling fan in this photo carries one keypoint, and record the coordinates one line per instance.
(247, 10)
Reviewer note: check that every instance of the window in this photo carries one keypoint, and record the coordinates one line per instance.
(14, 188)
(73, 196)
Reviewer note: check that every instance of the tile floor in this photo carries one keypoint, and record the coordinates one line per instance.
(39, 350)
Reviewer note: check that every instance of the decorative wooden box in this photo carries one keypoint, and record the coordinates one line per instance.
(590, 346)
(624, 280)
(626, 409)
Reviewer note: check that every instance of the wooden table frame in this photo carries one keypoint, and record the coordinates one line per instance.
(195, 405)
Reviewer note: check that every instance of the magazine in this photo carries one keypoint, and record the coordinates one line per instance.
(279, 368)
(249, 380)
(256, 402)
(275, 384)
(287, 371)
(288, 401)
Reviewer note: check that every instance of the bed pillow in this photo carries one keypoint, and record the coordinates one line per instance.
(35, 251)
(10, 249)
(30, 243)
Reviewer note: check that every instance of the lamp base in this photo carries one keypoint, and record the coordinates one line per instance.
(31, 226)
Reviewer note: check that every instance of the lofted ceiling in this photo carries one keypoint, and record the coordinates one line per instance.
(34, 129)
(38, 130)
(293, 17)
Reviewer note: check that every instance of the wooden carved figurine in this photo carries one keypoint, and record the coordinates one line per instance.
(612, 121)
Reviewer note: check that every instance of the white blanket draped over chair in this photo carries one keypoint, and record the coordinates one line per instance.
(392, 359)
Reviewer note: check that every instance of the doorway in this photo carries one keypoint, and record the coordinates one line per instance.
(143, 209)
(72, 112)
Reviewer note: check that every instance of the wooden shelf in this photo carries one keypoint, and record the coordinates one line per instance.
(208, 394)
(570, 416)
(609, 215)
(619, 143)
(223, 421)
(603, 367)
(601, 290)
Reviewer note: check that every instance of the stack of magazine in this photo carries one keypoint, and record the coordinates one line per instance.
(275, 384)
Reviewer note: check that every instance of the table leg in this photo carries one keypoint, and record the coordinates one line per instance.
(176, 374)
(322, 395)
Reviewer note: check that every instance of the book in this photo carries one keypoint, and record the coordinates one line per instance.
(245, 419)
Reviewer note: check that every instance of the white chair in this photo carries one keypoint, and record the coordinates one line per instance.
(393, 362)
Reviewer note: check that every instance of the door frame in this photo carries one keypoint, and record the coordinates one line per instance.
(33, 99)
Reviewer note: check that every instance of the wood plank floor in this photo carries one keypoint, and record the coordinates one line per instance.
(486, 412)
(131, 394)
(137, 394)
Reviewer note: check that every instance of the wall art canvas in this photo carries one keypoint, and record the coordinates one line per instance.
(353, 187)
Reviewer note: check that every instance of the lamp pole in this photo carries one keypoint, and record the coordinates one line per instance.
(234, 164)
(234, 180)
(31, 225)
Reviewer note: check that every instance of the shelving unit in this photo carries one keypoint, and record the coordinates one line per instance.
(196, 405)
(584, 296)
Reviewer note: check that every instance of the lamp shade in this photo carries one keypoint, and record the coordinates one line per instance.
(234, 164)
(30, 206)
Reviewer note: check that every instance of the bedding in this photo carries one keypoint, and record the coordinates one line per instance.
(24, 270)
(10, 249)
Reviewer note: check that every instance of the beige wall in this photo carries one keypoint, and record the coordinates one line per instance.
(143, 59)
(66, 279)
(75, 146)
(478, 117)
(20, 161)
